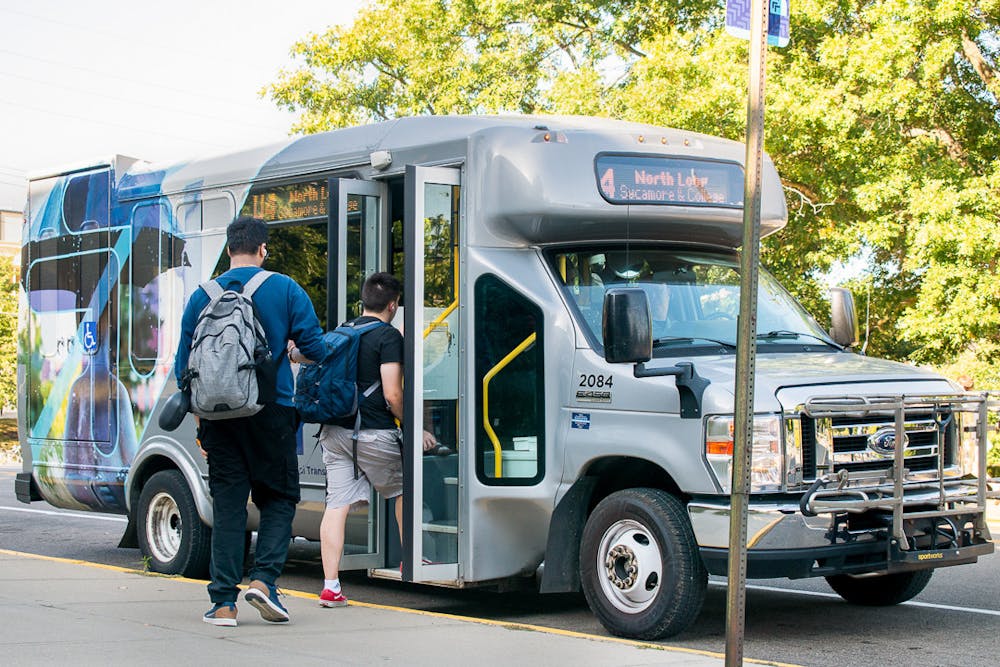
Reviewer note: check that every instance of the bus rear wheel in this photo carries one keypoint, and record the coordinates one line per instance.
(172, 536)
(880, 591)
(640, 568)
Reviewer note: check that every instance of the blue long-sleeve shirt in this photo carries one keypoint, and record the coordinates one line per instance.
(285, 312)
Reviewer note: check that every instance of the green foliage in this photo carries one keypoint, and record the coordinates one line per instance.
(8, 333)
(882, 117)
(10, 447)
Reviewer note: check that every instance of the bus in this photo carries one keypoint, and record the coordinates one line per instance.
(571, 287)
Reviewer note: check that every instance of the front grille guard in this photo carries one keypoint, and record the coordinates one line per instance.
(955, 497)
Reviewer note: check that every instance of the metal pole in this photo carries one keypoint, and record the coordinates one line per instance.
(746, 341)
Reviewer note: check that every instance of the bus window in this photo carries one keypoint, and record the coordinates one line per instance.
(693, 296)
(510, 383)
(300, 251)
(362, 221)
(154, 252)
(85, 203)
(217, 211)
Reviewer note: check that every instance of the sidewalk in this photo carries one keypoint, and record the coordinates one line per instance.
(56, 611)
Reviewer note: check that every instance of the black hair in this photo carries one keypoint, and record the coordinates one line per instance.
(379, 290)
(245, 234)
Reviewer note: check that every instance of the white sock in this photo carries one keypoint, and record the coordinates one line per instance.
(332, 584)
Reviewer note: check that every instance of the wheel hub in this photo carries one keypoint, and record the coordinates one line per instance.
(632, 564)
(621, 566)
(163, 527)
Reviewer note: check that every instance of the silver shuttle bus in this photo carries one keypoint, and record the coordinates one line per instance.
(571, 287)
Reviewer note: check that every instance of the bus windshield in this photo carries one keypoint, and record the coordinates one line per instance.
(694, 297)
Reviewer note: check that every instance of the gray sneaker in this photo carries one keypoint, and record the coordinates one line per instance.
(264, 597)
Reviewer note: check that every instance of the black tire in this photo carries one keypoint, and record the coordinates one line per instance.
(171, 534)
(639, 565)
(881, 591)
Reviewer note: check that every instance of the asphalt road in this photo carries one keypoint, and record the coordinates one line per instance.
(955, 621)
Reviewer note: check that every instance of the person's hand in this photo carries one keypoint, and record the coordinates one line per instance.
(430, 442)
(197, 438)
(291, 349)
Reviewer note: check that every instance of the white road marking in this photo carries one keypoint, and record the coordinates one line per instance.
(72, 515)
(912, 603)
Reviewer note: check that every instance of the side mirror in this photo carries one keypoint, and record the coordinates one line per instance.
(626, 326)
(844, 319)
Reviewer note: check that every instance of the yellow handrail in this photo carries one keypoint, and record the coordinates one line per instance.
(497, 452)
(439, 320)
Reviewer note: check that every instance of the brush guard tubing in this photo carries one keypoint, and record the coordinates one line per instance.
(891, 496)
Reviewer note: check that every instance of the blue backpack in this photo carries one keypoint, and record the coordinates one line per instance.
(328, 390)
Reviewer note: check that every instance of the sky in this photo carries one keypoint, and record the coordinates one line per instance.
(82, 80)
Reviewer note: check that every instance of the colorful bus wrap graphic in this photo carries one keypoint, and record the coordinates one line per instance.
(105, 281)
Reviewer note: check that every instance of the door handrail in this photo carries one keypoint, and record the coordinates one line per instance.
(439, 320)
(497, 451)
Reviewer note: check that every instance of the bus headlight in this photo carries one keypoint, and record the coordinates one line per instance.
(767, 467)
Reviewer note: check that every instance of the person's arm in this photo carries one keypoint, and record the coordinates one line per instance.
(392, 388)
(194, 307)
(304, 327)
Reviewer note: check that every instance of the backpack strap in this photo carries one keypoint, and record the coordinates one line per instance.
(357, 423)
(362, 329)
(256, 281)
(213, 289)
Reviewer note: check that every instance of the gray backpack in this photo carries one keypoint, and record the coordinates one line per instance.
(227, 348)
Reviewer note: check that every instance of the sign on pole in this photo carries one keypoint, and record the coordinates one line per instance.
(738, 20)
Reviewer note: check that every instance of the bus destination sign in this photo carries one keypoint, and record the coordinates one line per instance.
(669, 181)
(295, 201)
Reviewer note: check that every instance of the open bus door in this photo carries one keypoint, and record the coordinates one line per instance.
(359, 222)
(433, 339)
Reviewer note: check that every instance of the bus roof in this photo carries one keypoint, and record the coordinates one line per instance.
(430, 136)
(533, 178)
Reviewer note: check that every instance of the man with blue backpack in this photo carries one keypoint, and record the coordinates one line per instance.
(363, 451)
(231, 358)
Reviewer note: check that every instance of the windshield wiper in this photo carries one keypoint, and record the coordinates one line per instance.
(677, 340)
(784, 333)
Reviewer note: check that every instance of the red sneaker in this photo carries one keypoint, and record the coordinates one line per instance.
(330, 599)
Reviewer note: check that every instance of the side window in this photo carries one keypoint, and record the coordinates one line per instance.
(299, 251)
(153, 249)
(60, 293)
(510, 384)
(85, 203)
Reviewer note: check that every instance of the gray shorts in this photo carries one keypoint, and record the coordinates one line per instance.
(380, 465)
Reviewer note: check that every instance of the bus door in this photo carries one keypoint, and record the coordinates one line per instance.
(358, 234)
(433, 340)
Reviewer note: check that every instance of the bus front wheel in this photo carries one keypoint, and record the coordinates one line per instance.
(172, 537)
(639, 565)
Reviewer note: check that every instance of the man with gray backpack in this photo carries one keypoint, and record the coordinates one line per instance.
(232, 359)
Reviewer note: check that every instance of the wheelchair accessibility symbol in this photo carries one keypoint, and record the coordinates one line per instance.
(90, 337)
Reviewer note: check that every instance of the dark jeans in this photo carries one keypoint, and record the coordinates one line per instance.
(250, 457)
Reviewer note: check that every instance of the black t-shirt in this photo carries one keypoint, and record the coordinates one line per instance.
(381, 345)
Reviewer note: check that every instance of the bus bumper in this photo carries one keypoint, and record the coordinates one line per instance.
(782, 542)
(25, 488)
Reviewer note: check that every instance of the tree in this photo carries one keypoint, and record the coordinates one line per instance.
(882, 117)
(8, 333)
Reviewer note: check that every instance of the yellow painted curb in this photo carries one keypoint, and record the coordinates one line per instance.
(434, 614)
